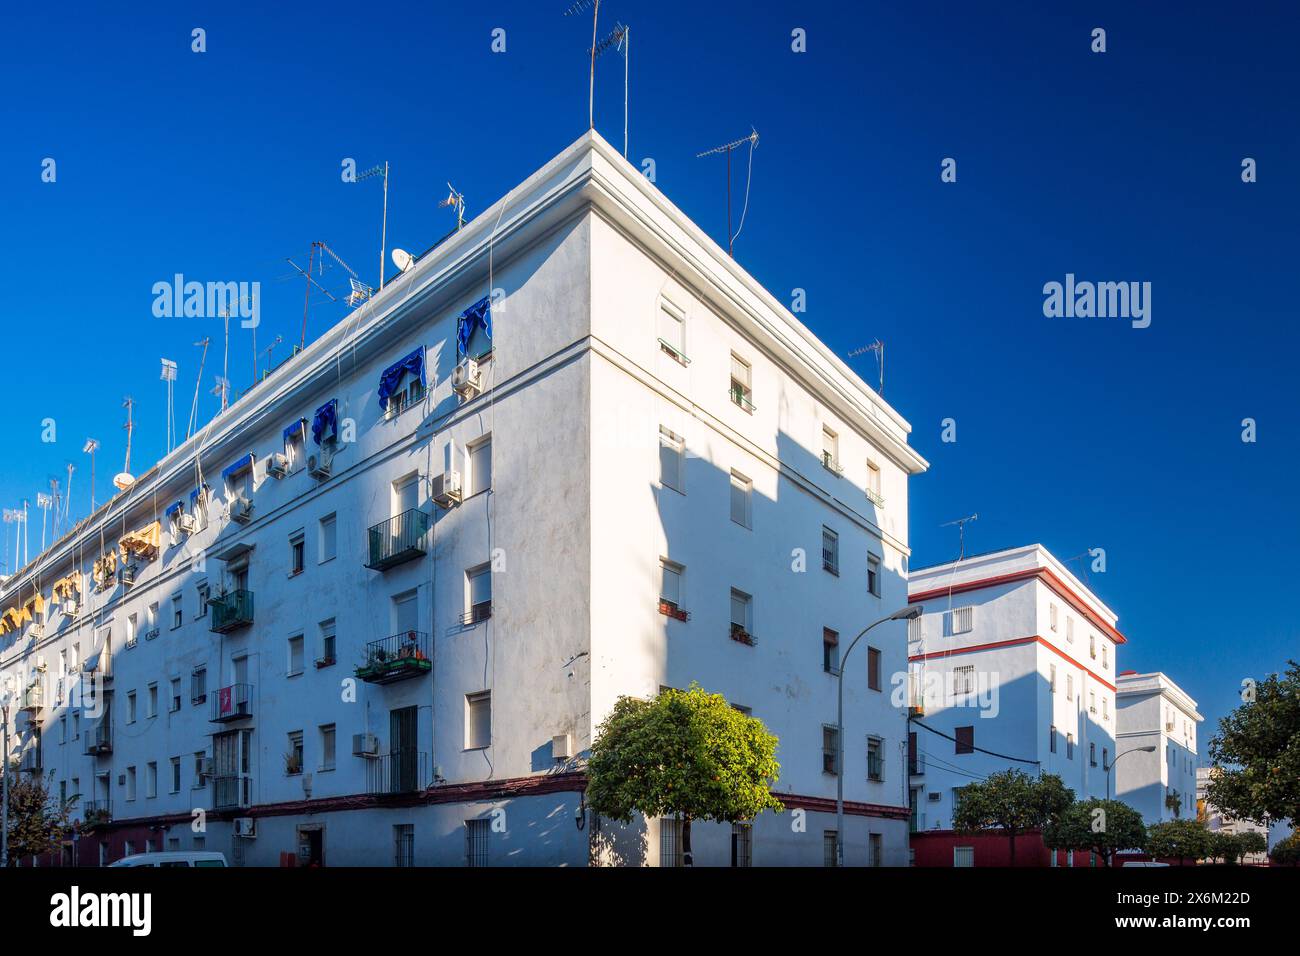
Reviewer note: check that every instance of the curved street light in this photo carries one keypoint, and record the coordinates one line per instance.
(1149, 749)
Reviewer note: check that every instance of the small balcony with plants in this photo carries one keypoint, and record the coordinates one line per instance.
(396, 657)
(398, 540)
(95, 813)
(231, 611)
(742, 636)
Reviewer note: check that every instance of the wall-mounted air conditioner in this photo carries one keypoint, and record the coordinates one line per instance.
(205, 766)
(365, 745)
(277, 466)
(446, 490)
(466, 379)
(187, 523)
(245, 827)
(562, 746)
(317, 466)
(241, 510)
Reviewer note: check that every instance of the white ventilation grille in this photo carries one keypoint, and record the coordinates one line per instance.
(960, 620)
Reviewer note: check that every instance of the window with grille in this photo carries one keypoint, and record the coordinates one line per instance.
(670, 842)
(875, 759)
(830, 650)
(960, 620)
(742, 844)
(830, 551)
(963, 856)
(404, 844)
(963, 683)
(476, 842)
(830, 848)
(830, 748)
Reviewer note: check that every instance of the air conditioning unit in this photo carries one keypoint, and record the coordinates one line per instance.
(365, 745)
(70, 607)
(241, 510)
(317, 467)
(187, 523)
(245, 827)
(562, 746)
(446, 489)
(205, 766)
(277, 466)
(465, 380)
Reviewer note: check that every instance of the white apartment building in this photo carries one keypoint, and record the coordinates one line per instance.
(1012, 667)
(1156, 713)
(374, 612)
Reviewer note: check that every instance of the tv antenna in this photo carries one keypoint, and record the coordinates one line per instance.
(198, 383)
(577, 7)
(752, 140)
(961, 530)
(67, 498)
(90, 447)
(168, 375)
(222, 388)
(621, 39)
(455, 200)
(269, 349)
(54, 495)
(44, 502)
(383, 235)
(123, 479)
(879, 348)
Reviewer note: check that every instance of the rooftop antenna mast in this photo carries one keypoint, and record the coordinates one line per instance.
(90, 448)
(455, 200)
(961, 530)
(577, 7)
(311, 258)
(383, 235)
(621, 39)
(198, 382)
(752, 140)
(57, 499)
(271, 348)
(44, 502)
(123, 480)
(879, 348)
(67, 498)
(168, 375)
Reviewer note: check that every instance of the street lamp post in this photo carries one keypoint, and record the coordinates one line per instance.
(1149, 749)
(903, 614)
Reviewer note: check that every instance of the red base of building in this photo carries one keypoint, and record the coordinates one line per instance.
(939, 848)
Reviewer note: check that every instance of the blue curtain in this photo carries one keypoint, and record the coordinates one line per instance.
(478, 315)
(173, 508)
(326, 419)
(393, 375)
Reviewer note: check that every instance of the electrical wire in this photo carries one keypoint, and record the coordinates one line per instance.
(749, 177)
(991, 753)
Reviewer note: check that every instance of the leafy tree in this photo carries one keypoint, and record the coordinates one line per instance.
(685, 753)
(1250, 842)
(1183, 839)
(1257, 752)
(1010, 801)
(1287, 852)
(38, 820)
(1100, 826)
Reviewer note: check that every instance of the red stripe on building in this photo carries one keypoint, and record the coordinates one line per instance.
(993, 645)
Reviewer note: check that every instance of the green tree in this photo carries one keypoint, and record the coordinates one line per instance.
(1010, 801)
(685, 753)
(1287, 852)
(38, 820)
(1250, 842)
(1100, 826)
(1256, 753)
(1183, 839)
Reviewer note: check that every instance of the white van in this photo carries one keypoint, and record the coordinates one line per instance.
(174, 858)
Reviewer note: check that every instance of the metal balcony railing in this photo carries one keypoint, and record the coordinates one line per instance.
(231, 611)
(31, 761)
(232, 791)
(398, 540)
(479, 612)
(402, 771)
(396, 657)
(99, 739)
(96, 811)
(739, 634)
(233, 702)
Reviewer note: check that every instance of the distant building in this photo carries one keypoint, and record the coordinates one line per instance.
(1155, 712)
(1011, 666)
(1220, 822)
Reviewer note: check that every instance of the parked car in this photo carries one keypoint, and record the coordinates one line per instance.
(1142, 863)
(174, 858)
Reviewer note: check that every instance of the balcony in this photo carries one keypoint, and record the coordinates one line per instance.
(479, 612)
(231, 611)
(96, 813)
(396, 657)
(402, 771)
(31, 761)
(99, 739)
(232, 791)
(742, 636)
(397, 540)
(234, 702)
(876, 498)
(33, 701)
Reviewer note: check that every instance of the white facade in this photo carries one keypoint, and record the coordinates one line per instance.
(1013, 655)
(1155, 712)
(650, 426)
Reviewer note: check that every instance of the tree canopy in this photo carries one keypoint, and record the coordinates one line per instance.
(1100, 826)
(38, 820)
(1180, 839)
(1010, 801)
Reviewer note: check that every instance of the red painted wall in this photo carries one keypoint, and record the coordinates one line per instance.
(935, 848)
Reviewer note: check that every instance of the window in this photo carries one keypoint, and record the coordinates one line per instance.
(1069, 746)
(178, 612)
(830, 848)
(960, 620)
(830, 748)
(406, 397)
(293, 756)
(198, 685)
(741, 393)
(875, 850)
(965, 740)
(875, 759)
(200, 758)
(1092, 701)
(151, 619)
(1105, 708)
(328, 547)
(403, 844)
(130, 783)
(873, 484)
(1051, 616)
(1069, 629)
(963, 856)
(741, 497)
(830, 651)
(1105, 759)
(327, 644)
(1069, 687)
(830, 450)
(670, 842)
(1105, 661)
(130, 707)
(1051, 677)
(176, 775)
(478, 720)
(741, 612)
(130, 630)
(297, 552)
(873, 575)
(480, 466)
(672, 458)
(742, 844)
(175, 704)
(478, 593)
(328, 736)
(670, 583)
(295, 655)
(1092, 754)
(873, 668)
(830, 551)
(476, 842)
(672, 331)
(1051, 738)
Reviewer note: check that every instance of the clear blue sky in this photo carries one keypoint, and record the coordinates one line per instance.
(1078, 433)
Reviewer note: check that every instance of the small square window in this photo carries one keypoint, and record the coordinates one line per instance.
(672, 460)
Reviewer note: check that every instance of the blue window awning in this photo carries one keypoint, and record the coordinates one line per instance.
(389, 381)
(297, 429)
(174, 508)
(325, 423)
(478, 315)
(238, 468)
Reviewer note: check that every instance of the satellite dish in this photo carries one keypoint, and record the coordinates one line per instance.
(123, 480)
(403, 259)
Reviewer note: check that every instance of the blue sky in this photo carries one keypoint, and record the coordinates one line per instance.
(1122, 166)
